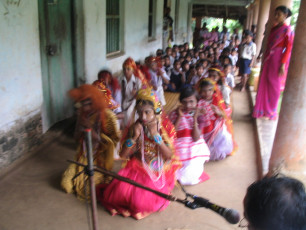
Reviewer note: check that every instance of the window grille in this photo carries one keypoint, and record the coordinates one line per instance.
(113, 25)
(152, 18)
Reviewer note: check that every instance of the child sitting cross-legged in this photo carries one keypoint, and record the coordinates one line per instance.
(217, 76)
(217, 128)
(176, 78)
(191, 147)
(148, 147)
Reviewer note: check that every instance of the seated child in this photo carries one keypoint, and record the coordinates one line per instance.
(93, 114)
(149, 149)
(200, 71)
(189, 58)
(185, 70)
(167, 65)
(159, 53)
(217, 76)
(158, 78)
(112, 91)
(175, 49)
(176, 78)
(229, 78)
(234, 56)
(131, 81)
(186, 46)
(192, 73)
(202, 55)
(206, 65)
(195, 57)
(190, 145)
(226, 61)
(217, 130)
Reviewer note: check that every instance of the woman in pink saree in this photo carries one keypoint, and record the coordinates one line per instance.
(275, 66)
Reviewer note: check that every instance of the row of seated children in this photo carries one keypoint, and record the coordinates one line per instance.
(155, 157)
(189, 67)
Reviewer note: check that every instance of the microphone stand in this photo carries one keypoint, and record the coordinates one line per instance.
(91, 179)
(232, 216)
(89, 170)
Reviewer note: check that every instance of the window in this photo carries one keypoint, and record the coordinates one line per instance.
(113, 26)
(152, 18)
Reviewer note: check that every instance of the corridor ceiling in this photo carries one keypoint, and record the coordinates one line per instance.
(232, 9)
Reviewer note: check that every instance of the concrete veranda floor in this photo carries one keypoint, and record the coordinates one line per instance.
(31, 198)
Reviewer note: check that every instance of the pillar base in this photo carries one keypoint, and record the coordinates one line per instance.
(300, 175)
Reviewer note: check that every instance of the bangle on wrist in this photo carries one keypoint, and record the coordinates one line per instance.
(158, 139)
(129, 143)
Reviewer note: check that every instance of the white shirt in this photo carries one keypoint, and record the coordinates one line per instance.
(234, 59)
(226, 91)
(227, 43)
(194, 80)
(248, 50)
(157, 81)
(127, 89)
(230, 80)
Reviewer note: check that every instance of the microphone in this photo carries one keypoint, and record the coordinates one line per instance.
(232, 216)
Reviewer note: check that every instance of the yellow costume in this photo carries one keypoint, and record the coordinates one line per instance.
(105, 125)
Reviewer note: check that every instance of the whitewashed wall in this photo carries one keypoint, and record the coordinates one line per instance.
(20, 72)
(136, 43)
(182, 32)
(181, 16)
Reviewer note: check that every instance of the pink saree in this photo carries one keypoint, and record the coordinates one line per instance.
(271, 84)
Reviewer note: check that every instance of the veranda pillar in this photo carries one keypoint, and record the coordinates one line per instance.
(289, 149)
(255, 12)
(247, 22)
(264, 8)
(198, 22)
(251, 17)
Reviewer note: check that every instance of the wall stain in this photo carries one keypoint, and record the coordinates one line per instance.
(13, 2)
(12, 11)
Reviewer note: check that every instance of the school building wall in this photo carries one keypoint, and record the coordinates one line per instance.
(20, 79)
(183, 20)
(136, 43)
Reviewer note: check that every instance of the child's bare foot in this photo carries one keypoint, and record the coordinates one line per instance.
(140, 215)
(113, 212)
(126, 213)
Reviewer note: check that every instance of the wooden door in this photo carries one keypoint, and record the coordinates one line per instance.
(56, 31)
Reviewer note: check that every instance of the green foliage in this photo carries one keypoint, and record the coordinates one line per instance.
(233, 24)
(295, 12)
(214, 22)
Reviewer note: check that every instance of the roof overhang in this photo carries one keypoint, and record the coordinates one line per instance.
(231, 9)
(243, 3)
